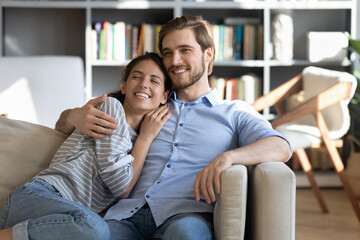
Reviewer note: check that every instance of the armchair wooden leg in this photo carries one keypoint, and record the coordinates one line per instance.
(305, 163)
(338, 164)
(339, 167)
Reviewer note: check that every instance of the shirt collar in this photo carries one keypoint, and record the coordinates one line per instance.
(211, 97)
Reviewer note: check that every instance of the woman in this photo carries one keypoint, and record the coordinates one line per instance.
(86, 174)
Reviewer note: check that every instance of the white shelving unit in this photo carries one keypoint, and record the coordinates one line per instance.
(63, 28)
(55, 27)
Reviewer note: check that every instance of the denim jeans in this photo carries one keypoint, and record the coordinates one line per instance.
(185, 226)
(36, 210)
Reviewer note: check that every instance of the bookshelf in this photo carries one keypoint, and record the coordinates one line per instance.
(53, 27)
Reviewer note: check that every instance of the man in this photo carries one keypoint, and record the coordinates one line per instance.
(204, 136)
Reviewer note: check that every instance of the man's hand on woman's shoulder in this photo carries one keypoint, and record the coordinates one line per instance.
(87, 120)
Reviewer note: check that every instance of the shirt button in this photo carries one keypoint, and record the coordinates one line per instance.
(176, 144)
(158, 182)
(180, 124)
(185, 104)
(147, 196)
(136, 208)
(169, 165)
(132, 211)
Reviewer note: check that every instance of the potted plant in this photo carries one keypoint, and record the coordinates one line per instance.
(354, 106)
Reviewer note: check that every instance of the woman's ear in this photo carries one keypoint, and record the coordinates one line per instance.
(164, 97)
(122, 89)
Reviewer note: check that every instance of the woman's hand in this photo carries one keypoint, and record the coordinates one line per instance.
(153, 122)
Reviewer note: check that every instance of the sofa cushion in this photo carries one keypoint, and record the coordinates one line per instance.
(25, 150)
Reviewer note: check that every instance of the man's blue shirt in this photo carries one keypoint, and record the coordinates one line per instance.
(193, 136)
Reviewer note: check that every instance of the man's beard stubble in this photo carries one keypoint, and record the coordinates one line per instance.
(194, 78)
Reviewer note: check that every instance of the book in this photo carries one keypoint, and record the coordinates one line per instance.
(241, 20)
(93, 45)
(251, 87)
(230, 89)
(102, 43)
(134, 41)
(229, 43)
(238, 43)
(141, 39)
(108, 43)
(149, 39)
(119, 42)
(215, 32)
(128, 41)
(97, 28)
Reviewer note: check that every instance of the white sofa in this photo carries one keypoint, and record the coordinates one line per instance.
(256, 203)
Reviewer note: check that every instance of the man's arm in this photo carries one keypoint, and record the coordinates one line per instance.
(269, 149)
(87, 120)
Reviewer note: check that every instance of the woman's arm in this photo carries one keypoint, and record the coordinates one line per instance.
(87, 120)
(149, 129)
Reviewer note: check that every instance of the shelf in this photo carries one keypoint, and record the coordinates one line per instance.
(323, 179)
(344, 63)
(73, 36)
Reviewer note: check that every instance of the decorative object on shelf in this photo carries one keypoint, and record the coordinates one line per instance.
(283, 37)
(327, 46)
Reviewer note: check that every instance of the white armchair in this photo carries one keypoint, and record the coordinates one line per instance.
(313, 109)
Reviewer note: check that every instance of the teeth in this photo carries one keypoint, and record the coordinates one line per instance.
(180, 71)
(142, 95)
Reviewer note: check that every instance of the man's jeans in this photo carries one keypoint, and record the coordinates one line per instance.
(37, 211)
(141, 225)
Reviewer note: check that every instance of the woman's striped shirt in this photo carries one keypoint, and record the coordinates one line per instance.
(93, 172)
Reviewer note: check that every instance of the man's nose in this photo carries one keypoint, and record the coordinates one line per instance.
(176, 58)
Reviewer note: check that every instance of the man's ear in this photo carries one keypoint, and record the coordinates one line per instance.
(209, 54)
(164, 97)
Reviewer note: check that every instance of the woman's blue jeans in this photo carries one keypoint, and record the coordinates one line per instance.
(36, 210)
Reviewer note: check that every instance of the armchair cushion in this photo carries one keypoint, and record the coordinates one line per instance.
(304, 132)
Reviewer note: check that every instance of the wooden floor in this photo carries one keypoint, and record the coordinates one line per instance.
(311, 224)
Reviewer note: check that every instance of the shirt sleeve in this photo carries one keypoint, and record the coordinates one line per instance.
(114, 162)
(252, 126)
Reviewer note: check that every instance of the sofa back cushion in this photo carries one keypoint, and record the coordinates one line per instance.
(37, 89)
(25, 150)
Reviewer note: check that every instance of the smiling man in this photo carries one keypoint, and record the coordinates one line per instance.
(203, 137)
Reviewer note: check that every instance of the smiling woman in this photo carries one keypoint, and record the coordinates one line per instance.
(86, 174)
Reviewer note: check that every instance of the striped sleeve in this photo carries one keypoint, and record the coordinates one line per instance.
(115, 169)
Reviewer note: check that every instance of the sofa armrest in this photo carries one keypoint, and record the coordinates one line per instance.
(230, 208)
(272, 202)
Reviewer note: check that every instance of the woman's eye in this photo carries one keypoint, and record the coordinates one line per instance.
(155, 81)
